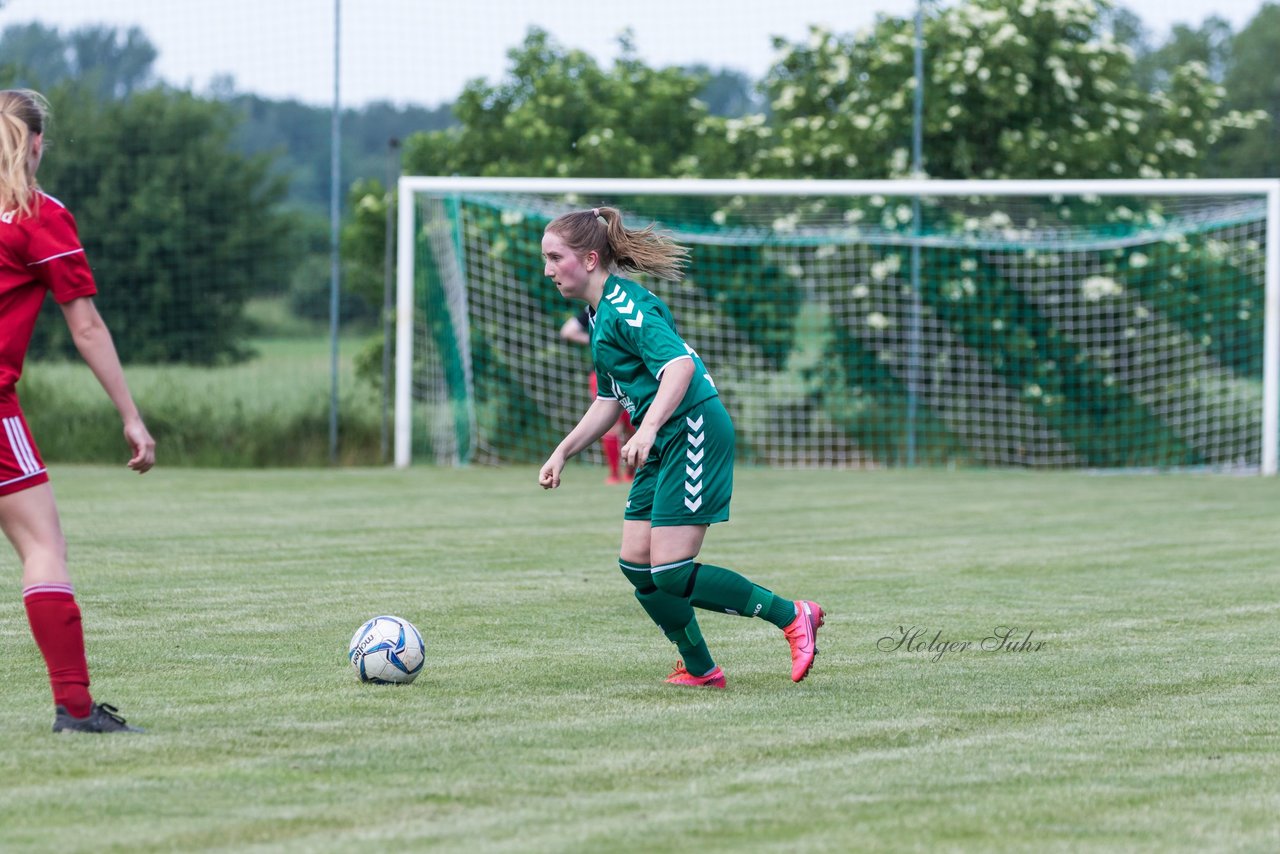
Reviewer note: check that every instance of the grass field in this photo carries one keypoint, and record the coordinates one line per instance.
(218, 605)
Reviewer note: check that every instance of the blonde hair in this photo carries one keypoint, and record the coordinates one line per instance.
(639, 250)
(23, 114)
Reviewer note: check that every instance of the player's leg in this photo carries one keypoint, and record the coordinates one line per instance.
(712, 588)
(694, 488)
(29, 519)
(673, 615)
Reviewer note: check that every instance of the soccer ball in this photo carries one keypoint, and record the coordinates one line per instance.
(387, 650)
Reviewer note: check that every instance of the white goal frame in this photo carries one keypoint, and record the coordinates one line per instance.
(410, 186)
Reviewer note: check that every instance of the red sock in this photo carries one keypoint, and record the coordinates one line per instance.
(55, 624)
(612, 452)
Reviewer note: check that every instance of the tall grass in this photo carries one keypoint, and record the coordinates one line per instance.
(271, 410)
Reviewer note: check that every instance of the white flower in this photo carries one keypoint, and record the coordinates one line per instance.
(876, 320)
(1095, 288)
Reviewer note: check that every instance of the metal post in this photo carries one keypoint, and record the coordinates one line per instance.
(388, 289)
(335, 139)
(917, 172)
(1271, 337)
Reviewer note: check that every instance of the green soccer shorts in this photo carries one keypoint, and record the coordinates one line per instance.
(688, 478)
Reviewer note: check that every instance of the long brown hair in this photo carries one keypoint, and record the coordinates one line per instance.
(635, 250)
(23, 114)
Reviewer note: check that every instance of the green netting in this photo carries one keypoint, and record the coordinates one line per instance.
(1038, 332)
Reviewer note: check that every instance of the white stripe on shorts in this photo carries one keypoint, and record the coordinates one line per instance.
(21, 446)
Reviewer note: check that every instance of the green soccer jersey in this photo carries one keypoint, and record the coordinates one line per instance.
(633, 340)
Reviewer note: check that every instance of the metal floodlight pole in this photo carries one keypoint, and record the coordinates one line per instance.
(335, 138)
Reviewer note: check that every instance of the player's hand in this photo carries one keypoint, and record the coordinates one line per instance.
(144, 447)
(636, 451)
(549, 476)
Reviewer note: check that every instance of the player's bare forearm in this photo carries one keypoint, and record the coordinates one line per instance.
(597, 420)
(595, 423)
(93, 341)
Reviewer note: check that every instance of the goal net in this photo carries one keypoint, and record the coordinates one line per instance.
(1042, 324)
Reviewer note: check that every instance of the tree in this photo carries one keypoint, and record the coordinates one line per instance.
(297, 136)
(1014, 88)
(558, 113)
(1252, 81)
(1209, 44)
(727, 93)
(106, 61)
(180, 229)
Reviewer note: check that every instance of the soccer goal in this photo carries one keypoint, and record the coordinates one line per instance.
(1040, 324)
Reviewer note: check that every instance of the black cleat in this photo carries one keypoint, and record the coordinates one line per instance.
(101, 718)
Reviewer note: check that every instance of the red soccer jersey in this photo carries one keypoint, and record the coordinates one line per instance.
(38, 253)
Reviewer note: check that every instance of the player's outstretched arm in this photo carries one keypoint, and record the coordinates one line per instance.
(595, 423)
(93, 340)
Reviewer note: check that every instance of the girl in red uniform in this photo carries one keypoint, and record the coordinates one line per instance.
(40, 253)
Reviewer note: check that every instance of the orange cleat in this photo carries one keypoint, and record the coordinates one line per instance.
(680, 676)
(802, 634)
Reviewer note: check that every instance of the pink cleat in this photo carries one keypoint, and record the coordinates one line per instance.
(802, 634)
(680, 676)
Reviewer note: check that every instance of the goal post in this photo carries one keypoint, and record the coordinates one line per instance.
(1044, 324)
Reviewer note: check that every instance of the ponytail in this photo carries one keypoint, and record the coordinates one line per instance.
(23, 115)
(642, 250)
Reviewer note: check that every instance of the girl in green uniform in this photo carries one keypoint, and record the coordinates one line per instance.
(682, 448)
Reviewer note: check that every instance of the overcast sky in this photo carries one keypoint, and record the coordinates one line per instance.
(423, 51)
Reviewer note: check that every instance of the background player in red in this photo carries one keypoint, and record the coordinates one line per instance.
(40, 253)
(577, 330)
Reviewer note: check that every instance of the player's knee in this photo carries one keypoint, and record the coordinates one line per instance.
(639, 575)
(675, 579)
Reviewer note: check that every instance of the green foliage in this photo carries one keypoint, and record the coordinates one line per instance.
(103, 60)
(1062, 383)
(750, 288)
(1190, 280)
(297, 137)
(1253, 83)
(1013, 89)
(364, 242)
(558, 113)
(180, 229)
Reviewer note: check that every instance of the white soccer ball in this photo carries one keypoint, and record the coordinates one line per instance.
(387, 650)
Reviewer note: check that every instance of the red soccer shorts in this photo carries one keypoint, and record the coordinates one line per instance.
(20, 463)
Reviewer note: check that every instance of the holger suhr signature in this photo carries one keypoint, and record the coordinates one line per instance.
(936, 645)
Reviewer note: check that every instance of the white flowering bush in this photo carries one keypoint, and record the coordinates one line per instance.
(1013, 89)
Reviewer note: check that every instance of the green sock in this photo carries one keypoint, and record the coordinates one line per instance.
(674, 617)
(715, 588)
